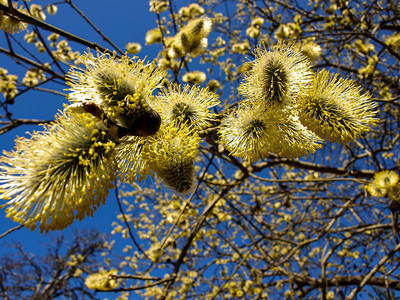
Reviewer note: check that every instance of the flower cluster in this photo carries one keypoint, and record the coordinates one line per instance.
(11, 24)
(102, 280)
(114, 125)
(191, 39)
(288, 110)
(119, 88)
(58, 175)
(386, 183)
(170, 152)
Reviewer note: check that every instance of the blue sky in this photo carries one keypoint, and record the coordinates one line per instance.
(122, 21)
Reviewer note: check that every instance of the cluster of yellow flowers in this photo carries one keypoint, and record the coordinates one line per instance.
(102, 280)
(288, 109)
(12, 24)
(386, 183)
(113, 124)
(8, 85)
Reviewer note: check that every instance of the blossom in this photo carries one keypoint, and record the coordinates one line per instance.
(277, 76)
(170, 154)
(153, 36)
(131, 165)
(375, 190)
(245, 133)
(191, 39)
(60, 174)
(11, 24)
(386, 179)
(133, 48)
(334, 108)
(120, 87)
(190, 105)
(252, 133)
(194, 77)
(293, 139)
(101, 280)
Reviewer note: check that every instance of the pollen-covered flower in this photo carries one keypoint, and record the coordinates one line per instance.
(133, 48)
(121, 87)
(11, 24)
(374, 190)
(386, 179)
(153, 36)
(191, 39)
(335, 109)
(245, 133)
(102, 281)
(293, 139)
(58, 175)
(190, 105)
(170, 153)
(195, 77)
(130, 162)
(252, 133)
(277, 76)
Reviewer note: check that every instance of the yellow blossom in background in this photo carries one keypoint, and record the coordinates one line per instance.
(30, 37)
(335, 109)
(158, 6)
(374, 190)
(191, 39)
(277, 77)
(311, 49)
(194, 77)
(33, 77)
(257, 22)
(102, 281)
(170, 154)
(120, 87)
(52, 9)
(58, 175)
(153, 36)
(189, 105)
(386, 179)
(253, 32)
(8, 85)
(133, 48)
(213, 85)
(242, 48)
(191, 11)
(37, 11)
(11, 24)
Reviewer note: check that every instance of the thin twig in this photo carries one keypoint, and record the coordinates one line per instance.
(189, 241)
(94, 26)
(31, 62)
(17, 122)
(372, 272)
(11, 230)
(71, 37)
(145, 286)
(126, 221)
